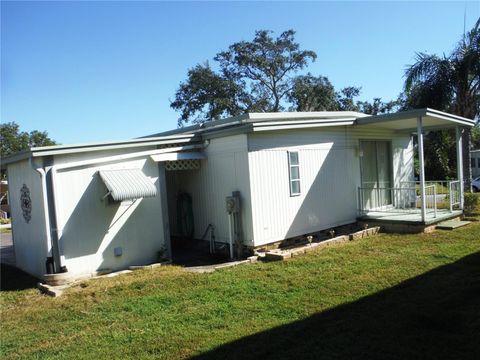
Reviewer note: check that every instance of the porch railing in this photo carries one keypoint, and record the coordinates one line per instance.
(406, 198)
(454, 194)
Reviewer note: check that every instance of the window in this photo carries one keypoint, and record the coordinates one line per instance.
(472, 160)
(294, 172)
(478, 162)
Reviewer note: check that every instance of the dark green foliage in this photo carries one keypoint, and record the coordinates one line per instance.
(253, 76)
(259, 76)
(378, 107)
(440, 155)
(312, 93)
(448, 83)
(471, 203)
(207, 95)
(13, 140)
(476, 137)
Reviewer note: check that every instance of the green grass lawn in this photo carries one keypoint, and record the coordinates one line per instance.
(385, 297)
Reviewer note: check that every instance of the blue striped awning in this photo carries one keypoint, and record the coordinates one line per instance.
(128, 184)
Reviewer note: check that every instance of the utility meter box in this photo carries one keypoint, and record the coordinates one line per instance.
(232, 204)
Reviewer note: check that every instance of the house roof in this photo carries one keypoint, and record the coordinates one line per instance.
(98, 146)
(271, 121)
(253, 122)
(407, 120)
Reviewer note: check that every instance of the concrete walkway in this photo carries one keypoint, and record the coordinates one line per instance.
(7, 252)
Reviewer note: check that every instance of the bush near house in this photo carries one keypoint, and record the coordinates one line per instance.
(471, 203)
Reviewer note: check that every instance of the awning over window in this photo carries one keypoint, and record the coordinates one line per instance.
(128, 184)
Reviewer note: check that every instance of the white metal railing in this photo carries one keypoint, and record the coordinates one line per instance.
(443, 194)
(454, 194)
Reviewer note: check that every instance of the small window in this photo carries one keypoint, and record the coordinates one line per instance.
(478, 162)
(294, 172)
(473, 162)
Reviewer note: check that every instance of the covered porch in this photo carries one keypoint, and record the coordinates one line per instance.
(418, 203)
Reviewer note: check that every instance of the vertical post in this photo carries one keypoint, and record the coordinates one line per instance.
(450, 191)
(162, 182)
(459, 144)
(422, 167)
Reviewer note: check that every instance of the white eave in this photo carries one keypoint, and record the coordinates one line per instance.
(271, 121)
(407, 120)
(100, 146)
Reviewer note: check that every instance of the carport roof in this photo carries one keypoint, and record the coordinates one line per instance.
(407, 120)
(402, 121)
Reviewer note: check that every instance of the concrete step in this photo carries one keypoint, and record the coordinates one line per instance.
(452, 224)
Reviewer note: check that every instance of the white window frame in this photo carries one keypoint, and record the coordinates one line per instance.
(292, 180)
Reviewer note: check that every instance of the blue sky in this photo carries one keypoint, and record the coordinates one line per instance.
(90, 71)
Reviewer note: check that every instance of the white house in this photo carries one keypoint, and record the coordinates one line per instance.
(244, 182)
(475, 159)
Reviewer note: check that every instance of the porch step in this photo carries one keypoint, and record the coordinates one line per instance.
(452, 224)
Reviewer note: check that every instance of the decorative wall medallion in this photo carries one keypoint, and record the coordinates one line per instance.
(26, 203)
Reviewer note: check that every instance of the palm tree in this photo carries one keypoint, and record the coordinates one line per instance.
(450, 83)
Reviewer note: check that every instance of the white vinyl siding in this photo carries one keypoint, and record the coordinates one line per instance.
(329, 176)
(294, 173)
(223, 171)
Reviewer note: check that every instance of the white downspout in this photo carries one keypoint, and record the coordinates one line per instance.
(43, 177)
(58, 231)
(422, 166)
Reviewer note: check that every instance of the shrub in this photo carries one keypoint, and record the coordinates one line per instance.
(471, 202)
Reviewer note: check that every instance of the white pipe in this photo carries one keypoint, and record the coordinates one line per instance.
(230, 237)
(58, 231)
(43, 177)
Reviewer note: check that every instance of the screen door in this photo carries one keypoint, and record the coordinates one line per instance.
(376, 172)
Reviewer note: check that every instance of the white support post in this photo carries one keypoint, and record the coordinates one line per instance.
(459, 144)
(422, 167)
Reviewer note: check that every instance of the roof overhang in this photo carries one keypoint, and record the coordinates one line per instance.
(175, 156)
(100, 146)
(269, 121)
(407, 120)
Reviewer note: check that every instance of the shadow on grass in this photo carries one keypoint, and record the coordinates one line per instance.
(13, 278)
(433, 316)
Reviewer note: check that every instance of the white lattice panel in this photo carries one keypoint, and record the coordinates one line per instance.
(182, 165)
